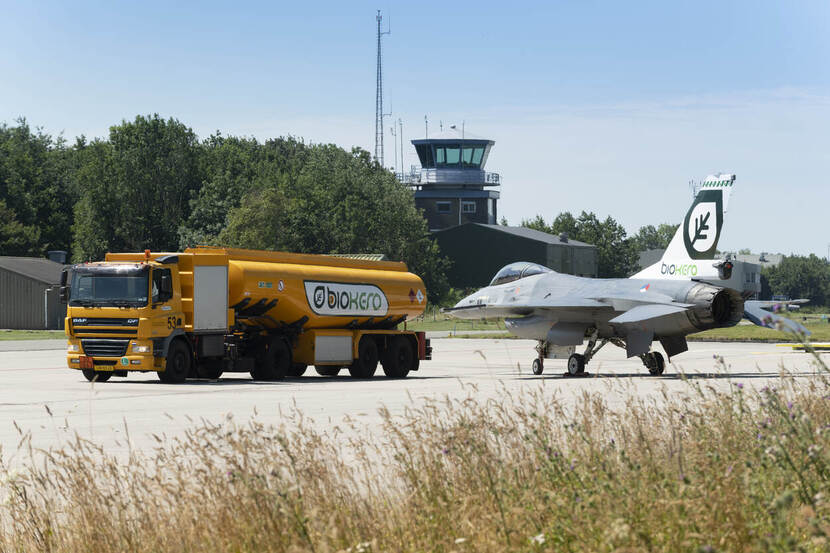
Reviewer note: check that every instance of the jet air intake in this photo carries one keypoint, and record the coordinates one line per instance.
(714, 307)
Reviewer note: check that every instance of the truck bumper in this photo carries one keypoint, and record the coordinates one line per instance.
(131, 362)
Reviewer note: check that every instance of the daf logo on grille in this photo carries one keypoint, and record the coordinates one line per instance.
(79, 321)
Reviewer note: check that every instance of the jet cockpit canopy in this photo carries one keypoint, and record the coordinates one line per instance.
(515, 271)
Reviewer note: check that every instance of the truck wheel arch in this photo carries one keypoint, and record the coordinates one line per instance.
(165, 343)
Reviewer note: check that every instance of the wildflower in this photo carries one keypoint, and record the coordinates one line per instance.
(538, 539)
(740, 385)
(459, 541)
(790, 405)
(445, 451)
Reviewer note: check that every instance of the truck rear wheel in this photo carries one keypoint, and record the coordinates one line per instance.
(327, 370)
(367, 359)
(179, 360)
(99, 376)
(297, 369)
(399, 357)
(275, 362)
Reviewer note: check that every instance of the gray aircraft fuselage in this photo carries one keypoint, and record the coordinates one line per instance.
(563, 309)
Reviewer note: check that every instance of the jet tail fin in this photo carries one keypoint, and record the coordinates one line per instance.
(691, 252)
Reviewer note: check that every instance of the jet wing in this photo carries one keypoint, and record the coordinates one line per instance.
(755, 312)
(646, 315)
(639, 323)
(481, 311)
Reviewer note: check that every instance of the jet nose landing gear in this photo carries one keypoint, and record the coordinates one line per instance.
(576, 361)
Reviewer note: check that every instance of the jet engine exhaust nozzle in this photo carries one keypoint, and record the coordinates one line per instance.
(715, 307)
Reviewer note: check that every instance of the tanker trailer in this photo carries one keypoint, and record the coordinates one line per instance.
(207, 311)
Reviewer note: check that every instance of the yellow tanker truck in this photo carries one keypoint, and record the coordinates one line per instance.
(206, 311)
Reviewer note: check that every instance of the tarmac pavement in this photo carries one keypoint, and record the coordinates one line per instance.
(36, 383)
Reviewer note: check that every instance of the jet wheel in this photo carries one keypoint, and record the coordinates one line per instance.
(656, 363)
(576, 364)
(537, 366)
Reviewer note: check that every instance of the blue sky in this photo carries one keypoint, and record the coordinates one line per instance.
(608, 107)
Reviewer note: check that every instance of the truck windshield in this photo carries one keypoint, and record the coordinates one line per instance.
(121, 286)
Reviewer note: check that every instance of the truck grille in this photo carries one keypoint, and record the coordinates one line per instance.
(105, 347)
(103, 321)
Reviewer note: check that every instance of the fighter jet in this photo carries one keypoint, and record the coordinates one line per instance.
(685, 292)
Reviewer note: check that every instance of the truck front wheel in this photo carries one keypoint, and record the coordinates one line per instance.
(398, 358)
(99, 376)
(179, 360)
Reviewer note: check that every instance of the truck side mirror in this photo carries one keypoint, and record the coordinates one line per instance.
(64, 289)
(166, 288)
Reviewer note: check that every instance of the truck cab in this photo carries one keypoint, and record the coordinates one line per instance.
(116, 314)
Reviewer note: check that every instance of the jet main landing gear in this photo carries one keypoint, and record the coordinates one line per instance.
(654, 362)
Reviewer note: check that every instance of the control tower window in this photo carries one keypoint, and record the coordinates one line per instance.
(471, 156)
(425, 155)
(453, 155)
(448, 156)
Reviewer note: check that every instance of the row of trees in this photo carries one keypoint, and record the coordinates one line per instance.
(153, 184)
(617, 253)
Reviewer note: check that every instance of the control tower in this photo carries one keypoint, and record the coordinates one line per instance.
(451, 186)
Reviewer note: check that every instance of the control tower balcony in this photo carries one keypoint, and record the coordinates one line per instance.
(419, 177)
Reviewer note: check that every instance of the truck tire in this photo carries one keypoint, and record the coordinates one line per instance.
(275, 362)
(367, 359)
(297, 369)
(399, 357)
(179, 361)
(327, 370)
(99, 376)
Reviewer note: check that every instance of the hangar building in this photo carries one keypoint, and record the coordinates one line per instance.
(478, 251)
(29, 295)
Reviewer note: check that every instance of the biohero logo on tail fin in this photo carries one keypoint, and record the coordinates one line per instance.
(696, 240)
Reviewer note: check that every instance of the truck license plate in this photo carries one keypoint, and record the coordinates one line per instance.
(86, 362)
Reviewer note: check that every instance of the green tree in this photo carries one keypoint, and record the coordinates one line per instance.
(15, 237)
(34, 187)
(136, 187)
(650, 238)
(801, 277)
(339, 202)
(616, 254)
(233, 167)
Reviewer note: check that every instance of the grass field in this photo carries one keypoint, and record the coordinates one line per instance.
(820, 333)
(32, 334)
(697, 471)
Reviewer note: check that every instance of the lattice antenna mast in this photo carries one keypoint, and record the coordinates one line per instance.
(379, 115)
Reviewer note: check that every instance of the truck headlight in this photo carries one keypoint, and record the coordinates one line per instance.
(141, 349)
(73, 348)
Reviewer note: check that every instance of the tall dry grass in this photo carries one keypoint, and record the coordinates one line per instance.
(734, 470)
